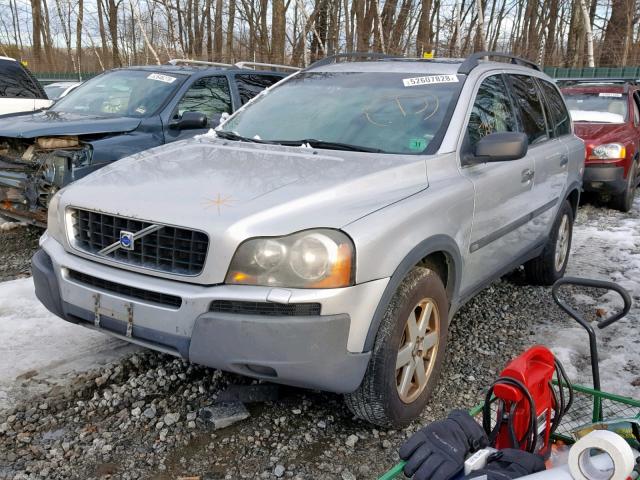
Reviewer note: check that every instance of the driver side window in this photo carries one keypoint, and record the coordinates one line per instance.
(492, 111)
(208, 95)
(636, 112)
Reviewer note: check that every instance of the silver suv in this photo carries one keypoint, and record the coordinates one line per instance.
(327, 233)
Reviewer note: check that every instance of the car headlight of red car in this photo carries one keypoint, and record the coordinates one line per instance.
(608, 151)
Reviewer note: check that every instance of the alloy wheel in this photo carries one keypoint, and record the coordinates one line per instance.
(418, 350)
(562, 242)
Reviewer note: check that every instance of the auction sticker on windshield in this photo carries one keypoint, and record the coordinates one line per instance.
(605, 94)
(430, 80)
(161, 78)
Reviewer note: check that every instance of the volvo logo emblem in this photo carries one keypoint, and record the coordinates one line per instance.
(126, 240)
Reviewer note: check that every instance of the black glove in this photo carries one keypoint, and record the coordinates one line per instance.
(438, 451)
(509, 463)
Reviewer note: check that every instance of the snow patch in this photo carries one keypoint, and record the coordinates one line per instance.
(596, 116)
(606, 246)
(6, 225)
(39, 349)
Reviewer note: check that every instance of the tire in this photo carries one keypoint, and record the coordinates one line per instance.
(624, 201)
(550, 265)
(378, 400)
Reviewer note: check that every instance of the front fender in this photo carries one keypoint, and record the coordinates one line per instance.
(437, 243)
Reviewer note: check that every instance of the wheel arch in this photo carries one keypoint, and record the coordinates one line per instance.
(441, 254)
(574, 198)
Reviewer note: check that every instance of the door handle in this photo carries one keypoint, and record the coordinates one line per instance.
(564, 159)
(527, 175)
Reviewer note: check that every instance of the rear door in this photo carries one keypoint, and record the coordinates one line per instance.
(251, 84)
(500, 232)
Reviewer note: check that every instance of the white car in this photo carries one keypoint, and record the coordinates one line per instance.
(55, 91)
(19, 90)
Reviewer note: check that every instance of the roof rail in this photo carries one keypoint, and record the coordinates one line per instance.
(185, 61)
(270, 65)
(474, 60)
(631, 80)
(334, 58)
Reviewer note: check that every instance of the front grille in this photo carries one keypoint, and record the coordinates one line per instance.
(146, 295)
(266, 308)
(169, 249)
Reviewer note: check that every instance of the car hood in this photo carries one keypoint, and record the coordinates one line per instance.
(240, 190)
(597, 133)
(48, 123)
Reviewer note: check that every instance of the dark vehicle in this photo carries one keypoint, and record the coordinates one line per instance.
(116, 114)
(606, 115)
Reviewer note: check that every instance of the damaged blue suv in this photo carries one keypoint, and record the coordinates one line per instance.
(116, 114)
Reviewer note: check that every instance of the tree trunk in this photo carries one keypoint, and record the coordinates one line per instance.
(617, 30)
(423, 38)
(112, 18)
(278, 29)
(230, 26)
(589, 33)
(36, 22)
(217, 31)
(79, 23)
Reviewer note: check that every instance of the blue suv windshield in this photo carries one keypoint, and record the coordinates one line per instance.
(121, 93)
(387, 112)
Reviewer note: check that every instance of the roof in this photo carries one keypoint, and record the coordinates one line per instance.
(406, 66)
(378, 62)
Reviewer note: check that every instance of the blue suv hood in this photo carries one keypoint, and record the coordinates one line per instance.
(58, 123)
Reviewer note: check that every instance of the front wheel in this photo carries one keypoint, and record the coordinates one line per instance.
(624, 201)
(407, 354)
(551, 264)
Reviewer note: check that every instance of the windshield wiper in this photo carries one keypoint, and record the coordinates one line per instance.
(229, 135)
(312, 142)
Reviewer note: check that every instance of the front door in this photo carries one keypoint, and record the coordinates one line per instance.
(500, 232)
(208, 95)
(546, 122)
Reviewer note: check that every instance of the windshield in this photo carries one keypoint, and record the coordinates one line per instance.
(599, 107)
(387, 112)
(121, 93)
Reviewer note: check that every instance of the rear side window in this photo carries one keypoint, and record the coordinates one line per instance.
(15, 82)
(208, 95)
(251, 85)
(557, 111)
(526, 96)
(492, 111)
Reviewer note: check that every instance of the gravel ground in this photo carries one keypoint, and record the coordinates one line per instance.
(16, 248)
(140, 418)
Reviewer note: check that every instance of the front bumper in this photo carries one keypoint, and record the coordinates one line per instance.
(604, 178)
(319, 351)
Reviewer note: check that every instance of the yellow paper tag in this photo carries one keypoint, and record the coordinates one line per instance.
(428, 55)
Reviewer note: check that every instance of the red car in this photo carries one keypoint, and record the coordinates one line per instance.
(606, 115)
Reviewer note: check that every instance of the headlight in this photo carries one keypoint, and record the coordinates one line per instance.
(311, 259)
(609, 151)
(55, 226)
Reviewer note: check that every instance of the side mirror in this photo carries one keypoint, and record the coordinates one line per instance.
(190, 121)
(500, 147)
